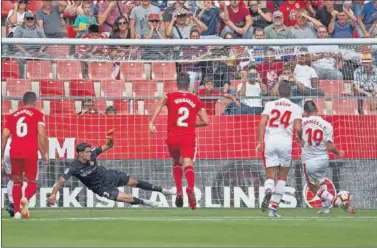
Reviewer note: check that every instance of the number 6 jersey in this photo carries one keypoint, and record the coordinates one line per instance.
(183, 108)
(23, 125)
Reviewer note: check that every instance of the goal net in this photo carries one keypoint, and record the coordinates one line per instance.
(88, 87)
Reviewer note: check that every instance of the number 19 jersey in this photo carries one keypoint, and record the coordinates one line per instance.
(23, 125)
(278, 132)
(183, 108)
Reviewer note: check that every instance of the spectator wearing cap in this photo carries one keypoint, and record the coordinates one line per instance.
(84, 20)
(109, 11)
(240, 22)
(139, 22)
(179, 27)
(48, 18)
(344, 26)
(367, 20)
(325, 58)
(208, 90)
(16, 15)
(306, 26)
(210, 15)
(365, 83)
(306, 75)
(155, 26)
(277, 30)
(168, 13)
(28, 30)
(290, 8)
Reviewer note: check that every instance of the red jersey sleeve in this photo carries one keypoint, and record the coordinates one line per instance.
(40, 118)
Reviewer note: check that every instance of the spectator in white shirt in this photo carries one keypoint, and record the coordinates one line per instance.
(16, 15)
(306, 75)
(325, 58)
(250, 86)
(139, 19)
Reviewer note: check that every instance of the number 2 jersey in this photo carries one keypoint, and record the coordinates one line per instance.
(282, 113)
(316, 134)
(23, 125)
(183, 108)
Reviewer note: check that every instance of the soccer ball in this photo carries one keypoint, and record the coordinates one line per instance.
(344, 197)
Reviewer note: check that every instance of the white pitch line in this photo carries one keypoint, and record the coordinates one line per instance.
(168, 219)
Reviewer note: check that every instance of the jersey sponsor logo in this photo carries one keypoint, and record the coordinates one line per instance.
(311, 199)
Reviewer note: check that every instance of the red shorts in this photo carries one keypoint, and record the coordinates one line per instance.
(29, 166)
(182, 146)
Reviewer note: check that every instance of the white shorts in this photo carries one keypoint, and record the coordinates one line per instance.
(7, 166)
(315, 169)
(277, 153)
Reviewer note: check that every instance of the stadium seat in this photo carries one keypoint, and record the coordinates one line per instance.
(145, 88)
(6, 6)
(56, 51)
(38, 69)
(17, 87)
(170, 86)
(120, 105)
(332, 87)
(20, 104)
(68, 70)
(82, 88)
(9, 69)
(101, 70)
(59, 107)
(35, 5)
(6, 107)
(113, 88)
(164, 71)
(321, 105)
(344, 106)
(131, 71)
(52, 88)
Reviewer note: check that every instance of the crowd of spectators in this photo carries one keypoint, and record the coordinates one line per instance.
(261, 68)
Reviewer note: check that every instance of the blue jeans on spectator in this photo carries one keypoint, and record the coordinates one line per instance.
(232, 109)
(248, 35)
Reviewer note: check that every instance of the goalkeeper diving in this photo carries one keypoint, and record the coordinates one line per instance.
(102, 181)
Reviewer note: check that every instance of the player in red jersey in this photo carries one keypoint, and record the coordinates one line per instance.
(27, 127)
(183, 108)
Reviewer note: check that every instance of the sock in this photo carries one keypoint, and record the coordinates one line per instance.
(178, 174)
(269, 185)
(277, 194)
(148, 186)
(190, 176)
(325, 196)
(137, 201)
(30, 190)
(17, 194)
(9, 191)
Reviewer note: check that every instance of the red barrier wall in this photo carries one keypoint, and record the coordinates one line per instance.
(227, 137)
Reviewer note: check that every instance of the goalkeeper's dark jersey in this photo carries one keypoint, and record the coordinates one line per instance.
(90, 174)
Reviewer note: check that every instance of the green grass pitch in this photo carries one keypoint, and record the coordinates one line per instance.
(188, 228)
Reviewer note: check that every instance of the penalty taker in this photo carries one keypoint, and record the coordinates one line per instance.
(102, 181)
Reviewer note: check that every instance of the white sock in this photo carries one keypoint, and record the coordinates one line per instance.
(269, 185)
(277, 194)
(326, 196)
(9, 190)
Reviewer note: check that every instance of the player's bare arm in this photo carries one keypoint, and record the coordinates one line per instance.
(261, 129)
(4, 140)
(203, 119)
(43, 142)
(331, 148)
(298, 128)
(109, 141)
(160, 105)
(52, 198)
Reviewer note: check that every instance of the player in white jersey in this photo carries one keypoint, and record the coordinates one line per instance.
(317, 142)
(276, 127)
(7, 170)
